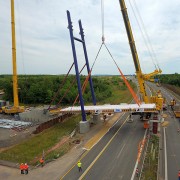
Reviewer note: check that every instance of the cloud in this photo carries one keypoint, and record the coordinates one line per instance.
(43, 42)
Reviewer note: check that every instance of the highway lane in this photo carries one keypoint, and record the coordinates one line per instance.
(118, 156)
(90, 155)
(172, 138)
(117, 159)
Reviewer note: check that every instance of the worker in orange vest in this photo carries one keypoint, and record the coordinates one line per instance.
(26, 167)
(41, 162)
(21, 167)
(179, 174)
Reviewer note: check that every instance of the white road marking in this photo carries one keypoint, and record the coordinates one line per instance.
(97, 157)
(134, 171)
(121, 151)
(165, 155)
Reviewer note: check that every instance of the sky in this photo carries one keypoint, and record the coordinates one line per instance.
(43, 42)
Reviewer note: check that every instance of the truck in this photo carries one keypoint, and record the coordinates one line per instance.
(176, 110)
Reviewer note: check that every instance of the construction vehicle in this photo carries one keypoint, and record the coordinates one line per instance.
(15, 108)
(158, 100)
(175, 108)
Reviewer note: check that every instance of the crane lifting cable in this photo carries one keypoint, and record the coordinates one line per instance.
(125, 80)
(149, 46)
(103, 39)
(83, 87)
(103, 42)
(147, 35)
(62, 84)
(102, 20)
(89, 74)
(70, 86)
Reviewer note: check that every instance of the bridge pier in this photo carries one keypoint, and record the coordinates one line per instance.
(84, 127)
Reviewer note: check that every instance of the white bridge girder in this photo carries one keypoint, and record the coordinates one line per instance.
(111, 108)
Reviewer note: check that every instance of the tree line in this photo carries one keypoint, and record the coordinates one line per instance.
(40, 89)
(173, 79)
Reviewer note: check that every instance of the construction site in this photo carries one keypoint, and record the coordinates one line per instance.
(112, 139)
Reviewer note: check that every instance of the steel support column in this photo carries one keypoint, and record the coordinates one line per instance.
(70, 27)
(87, 62)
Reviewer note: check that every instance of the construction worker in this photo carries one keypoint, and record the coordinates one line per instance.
(41, 162)
(26, 167)
(104, 117)
(179, 174)
(79, 164)
(21, 167)
(137, 172)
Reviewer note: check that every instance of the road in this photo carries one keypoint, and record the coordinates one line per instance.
(172, 139)
(114, 157)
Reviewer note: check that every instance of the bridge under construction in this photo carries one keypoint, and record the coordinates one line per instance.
(112, 108)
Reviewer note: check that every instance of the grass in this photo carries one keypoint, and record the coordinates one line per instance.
(32, 148)
(151, 163)
(59, 152)
(120, 94)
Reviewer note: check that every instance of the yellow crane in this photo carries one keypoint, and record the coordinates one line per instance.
(15, 108)
(147, 77)
(151, 77)
(158, 100)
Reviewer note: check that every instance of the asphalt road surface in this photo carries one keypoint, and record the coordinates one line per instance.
(114, 157)
(172, 140)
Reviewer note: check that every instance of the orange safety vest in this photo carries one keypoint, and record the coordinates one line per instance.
(21, 167)
(26, 167)
(41, 160)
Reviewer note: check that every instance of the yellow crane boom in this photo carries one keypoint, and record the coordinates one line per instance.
(15, 108)
(133, 51)
(15, 83)
(147, 77)
(139, 74)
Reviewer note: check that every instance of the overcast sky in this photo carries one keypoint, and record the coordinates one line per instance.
(43, 42)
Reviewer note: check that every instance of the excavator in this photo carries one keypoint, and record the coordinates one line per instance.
(15, 108)
(158, 100)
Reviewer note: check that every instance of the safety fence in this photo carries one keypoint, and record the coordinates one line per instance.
(51, 122)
